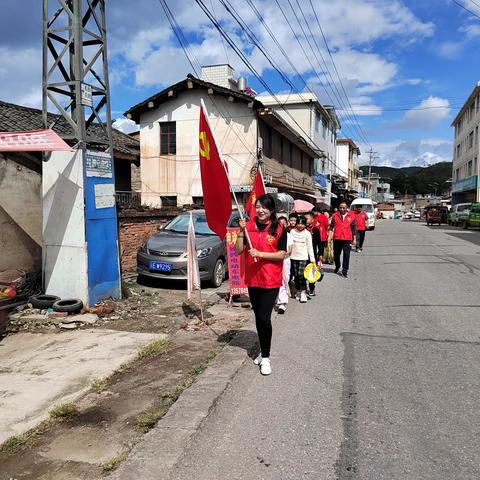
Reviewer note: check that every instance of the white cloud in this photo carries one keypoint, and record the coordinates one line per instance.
(426, 115)
(21, 76)
(450, 50)
(413, 81)
(408, 153)
(125, 125)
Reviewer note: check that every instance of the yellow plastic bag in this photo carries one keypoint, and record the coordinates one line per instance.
(312, 273)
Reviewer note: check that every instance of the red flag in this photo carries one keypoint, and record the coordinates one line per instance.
(257, 190)
(215, 183)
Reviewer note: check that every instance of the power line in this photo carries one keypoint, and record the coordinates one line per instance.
(335, 68)
(242, 57)
(467, 9)
(328, 74)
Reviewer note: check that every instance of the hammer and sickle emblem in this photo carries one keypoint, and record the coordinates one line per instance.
(204, 146)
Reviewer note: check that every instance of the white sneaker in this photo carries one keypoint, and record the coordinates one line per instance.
(282, 308)
(258, 360)
(303, 297)
(265, 367)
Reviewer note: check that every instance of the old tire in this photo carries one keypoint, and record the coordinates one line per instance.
(43, 301)
(218, 273)
(69, 305)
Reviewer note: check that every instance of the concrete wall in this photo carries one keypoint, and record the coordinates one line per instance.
(235, 127)
(20, 216)
(64, 245)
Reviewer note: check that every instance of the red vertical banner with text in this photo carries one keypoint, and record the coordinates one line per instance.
(236, 265)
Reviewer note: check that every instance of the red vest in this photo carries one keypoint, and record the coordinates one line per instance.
(263, 273)
(361, 219)
(342, 229)
(322, 223)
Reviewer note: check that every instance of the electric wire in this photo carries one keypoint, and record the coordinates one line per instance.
(336, 70)
(184, 44)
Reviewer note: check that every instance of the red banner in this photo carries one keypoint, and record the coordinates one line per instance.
(236, 265)
(258, 189)
(32, 141)
(215, 183)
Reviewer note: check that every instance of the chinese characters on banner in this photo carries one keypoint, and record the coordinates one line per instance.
(236, 265)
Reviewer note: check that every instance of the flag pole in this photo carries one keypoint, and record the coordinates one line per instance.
(240, 211)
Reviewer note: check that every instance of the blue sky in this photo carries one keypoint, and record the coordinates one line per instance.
(406, 66)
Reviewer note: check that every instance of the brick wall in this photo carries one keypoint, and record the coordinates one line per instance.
(135, 227)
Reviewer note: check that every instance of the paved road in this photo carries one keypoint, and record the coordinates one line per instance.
(377, 377)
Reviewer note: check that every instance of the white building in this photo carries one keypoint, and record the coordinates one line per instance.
(318, 124)
(347, 173)
(465, 169)
(246, 131)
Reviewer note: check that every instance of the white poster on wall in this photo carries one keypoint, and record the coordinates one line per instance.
(104, 195)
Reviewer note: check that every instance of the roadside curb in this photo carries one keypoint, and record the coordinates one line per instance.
(160, 449)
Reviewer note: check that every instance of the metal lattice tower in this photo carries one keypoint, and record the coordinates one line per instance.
(75, 69)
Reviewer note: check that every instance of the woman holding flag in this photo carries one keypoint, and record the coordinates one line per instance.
(264, 269)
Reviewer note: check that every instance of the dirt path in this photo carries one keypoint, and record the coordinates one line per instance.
(90, 438)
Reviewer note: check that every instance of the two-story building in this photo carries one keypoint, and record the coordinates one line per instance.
(347, 173)
(318, 124)
(247, 132)
(465, 168)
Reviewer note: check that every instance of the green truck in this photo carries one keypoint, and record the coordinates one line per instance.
(473, 220)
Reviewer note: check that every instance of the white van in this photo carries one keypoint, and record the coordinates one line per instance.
(367, 205)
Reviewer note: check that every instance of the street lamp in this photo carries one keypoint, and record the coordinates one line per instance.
(434, 185)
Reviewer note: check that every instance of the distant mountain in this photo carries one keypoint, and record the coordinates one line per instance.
(415, 180)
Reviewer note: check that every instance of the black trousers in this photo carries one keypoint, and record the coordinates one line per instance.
(340, 246)
(360, 238)
(263, 300)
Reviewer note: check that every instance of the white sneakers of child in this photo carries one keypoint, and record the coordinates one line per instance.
(265, 366)
(303, 297)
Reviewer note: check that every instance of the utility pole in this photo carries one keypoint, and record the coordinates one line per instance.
(370, 172)
(75, 69)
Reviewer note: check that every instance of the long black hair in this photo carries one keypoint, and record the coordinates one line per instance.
(268, 202)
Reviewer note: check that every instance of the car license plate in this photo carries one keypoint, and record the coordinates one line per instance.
(160, 266)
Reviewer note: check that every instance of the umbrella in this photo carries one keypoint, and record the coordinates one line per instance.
(301, 206)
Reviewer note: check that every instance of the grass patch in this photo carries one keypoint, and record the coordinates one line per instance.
(115, 462)
(211, 355)
(153, 349)
(198, 369)
(100, 385)
(124, 367)
(148, 419)
(63, 411)
(17, 442)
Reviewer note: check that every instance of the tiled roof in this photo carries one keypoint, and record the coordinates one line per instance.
(17, 118)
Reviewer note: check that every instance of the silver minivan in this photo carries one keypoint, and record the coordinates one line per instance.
(459, 213)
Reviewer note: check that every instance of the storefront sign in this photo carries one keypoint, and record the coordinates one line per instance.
(236, 265)
(248, 188)
(465, 184)
(32, 141)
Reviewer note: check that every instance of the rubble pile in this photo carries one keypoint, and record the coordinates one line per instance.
(29, 318)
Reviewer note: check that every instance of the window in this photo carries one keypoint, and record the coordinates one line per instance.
(317, 121)
(197, 201)
(476, 135)
(469, 169)
(168, 138)
(325, 128)
(470, 139)
(169, 201)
